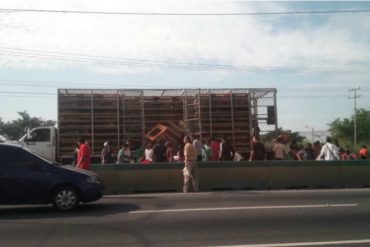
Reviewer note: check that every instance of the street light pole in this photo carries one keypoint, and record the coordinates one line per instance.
(313, 132)
(354, 97)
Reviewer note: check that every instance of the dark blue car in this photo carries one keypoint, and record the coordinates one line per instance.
(27, 178)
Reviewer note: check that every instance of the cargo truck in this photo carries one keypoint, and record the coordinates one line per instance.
(102, 115)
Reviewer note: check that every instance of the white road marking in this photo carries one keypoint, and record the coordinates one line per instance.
(241, 208)
(252, 192)
(164, 194)
(362, 241)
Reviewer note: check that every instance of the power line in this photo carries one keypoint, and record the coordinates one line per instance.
(50, 84)
(148, 85)
(114, 61)
(312, 96)
(25, 96)
(11, 10)
(139, 62)
(30, 93)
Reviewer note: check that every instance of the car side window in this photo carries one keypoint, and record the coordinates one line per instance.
(40, 135)
(11, 156)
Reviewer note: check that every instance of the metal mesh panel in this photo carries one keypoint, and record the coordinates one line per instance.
(191, 111)
(132, 115)
(74, 120)
(105, 119)
(261, 100)
(118, 114)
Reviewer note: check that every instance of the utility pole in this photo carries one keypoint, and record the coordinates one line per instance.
(354, 97)
(313, 132)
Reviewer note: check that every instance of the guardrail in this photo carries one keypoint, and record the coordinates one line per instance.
(164, 177)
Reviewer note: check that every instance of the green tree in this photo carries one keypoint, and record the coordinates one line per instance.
(343, 129)
(16, 128)
(293, 136)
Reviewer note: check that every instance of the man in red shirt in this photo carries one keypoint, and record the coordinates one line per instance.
(215, 146)
(84, 155)
(364, 152)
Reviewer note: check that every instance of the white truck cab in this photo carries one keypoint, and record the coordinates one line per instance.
(42, 140)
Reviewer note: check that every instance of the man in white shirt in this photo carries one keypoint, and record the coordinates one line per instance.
(329, 151)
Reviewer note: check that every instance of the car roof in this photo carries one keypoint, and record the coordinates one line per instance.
(18, 145)
(15, 145)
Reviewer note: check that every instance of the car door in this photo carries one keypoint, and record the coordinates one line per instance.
(7, 177)
(25, 177)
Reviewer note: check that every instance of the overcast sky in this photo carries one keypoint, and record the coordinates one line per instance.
(312, 59)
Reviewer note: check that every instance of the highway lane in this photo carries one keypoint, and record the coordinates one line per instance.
(228, 218)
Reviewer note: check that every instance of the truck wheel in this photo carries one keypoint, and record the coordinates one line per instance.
(65, 198)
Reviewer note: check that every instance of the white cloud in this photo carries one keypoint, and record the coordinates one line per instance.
(237, 40)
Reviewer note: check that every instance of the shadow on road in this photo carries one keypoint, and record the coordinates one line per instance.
(84, 210)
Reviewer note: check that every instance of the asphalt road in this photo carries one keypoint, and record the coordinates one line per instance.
(246, 218)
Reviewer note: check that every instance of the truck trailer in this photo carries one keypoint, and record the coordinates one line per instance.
(115, 115)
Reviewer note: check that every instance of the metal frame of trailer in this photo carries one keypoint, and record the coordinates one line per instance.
(118, 114)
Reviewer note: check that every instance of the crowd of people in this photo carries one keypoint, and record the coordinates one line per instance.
(279, 149)
(166, 151)
(192, 150)
(215, 150)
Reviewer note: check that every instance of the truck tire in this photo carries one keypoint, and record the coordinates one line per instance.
(65, 198)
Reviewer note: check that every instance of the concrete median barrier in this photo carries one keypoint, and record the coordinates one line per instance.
(167, 177)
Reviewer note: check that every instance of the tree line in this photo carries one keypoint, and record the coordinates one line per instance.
(343, 129)
(15, 129)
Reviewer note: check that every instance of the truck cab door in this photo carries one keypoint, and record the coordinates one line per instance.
(41, 141)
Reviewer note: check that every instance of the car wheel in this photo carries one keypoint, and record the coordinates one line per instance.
(65, 198)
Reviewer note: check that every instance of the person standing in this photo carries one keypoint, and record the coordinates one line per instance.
(107, 153)
(258, 151)
(159, 152)
(302, 153)
(328, 151)
(364, 152)
(84, 155)
(207, 151)
(190, 171)
(215, 146)
(268, 149)
(75, 154)
(198, 146)
(169, 152)
(310, 152)
(316, 149)
(180, 153)
(139, 152)
(148, 154)
(227, 151)
(279, 149)
(124, 155)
